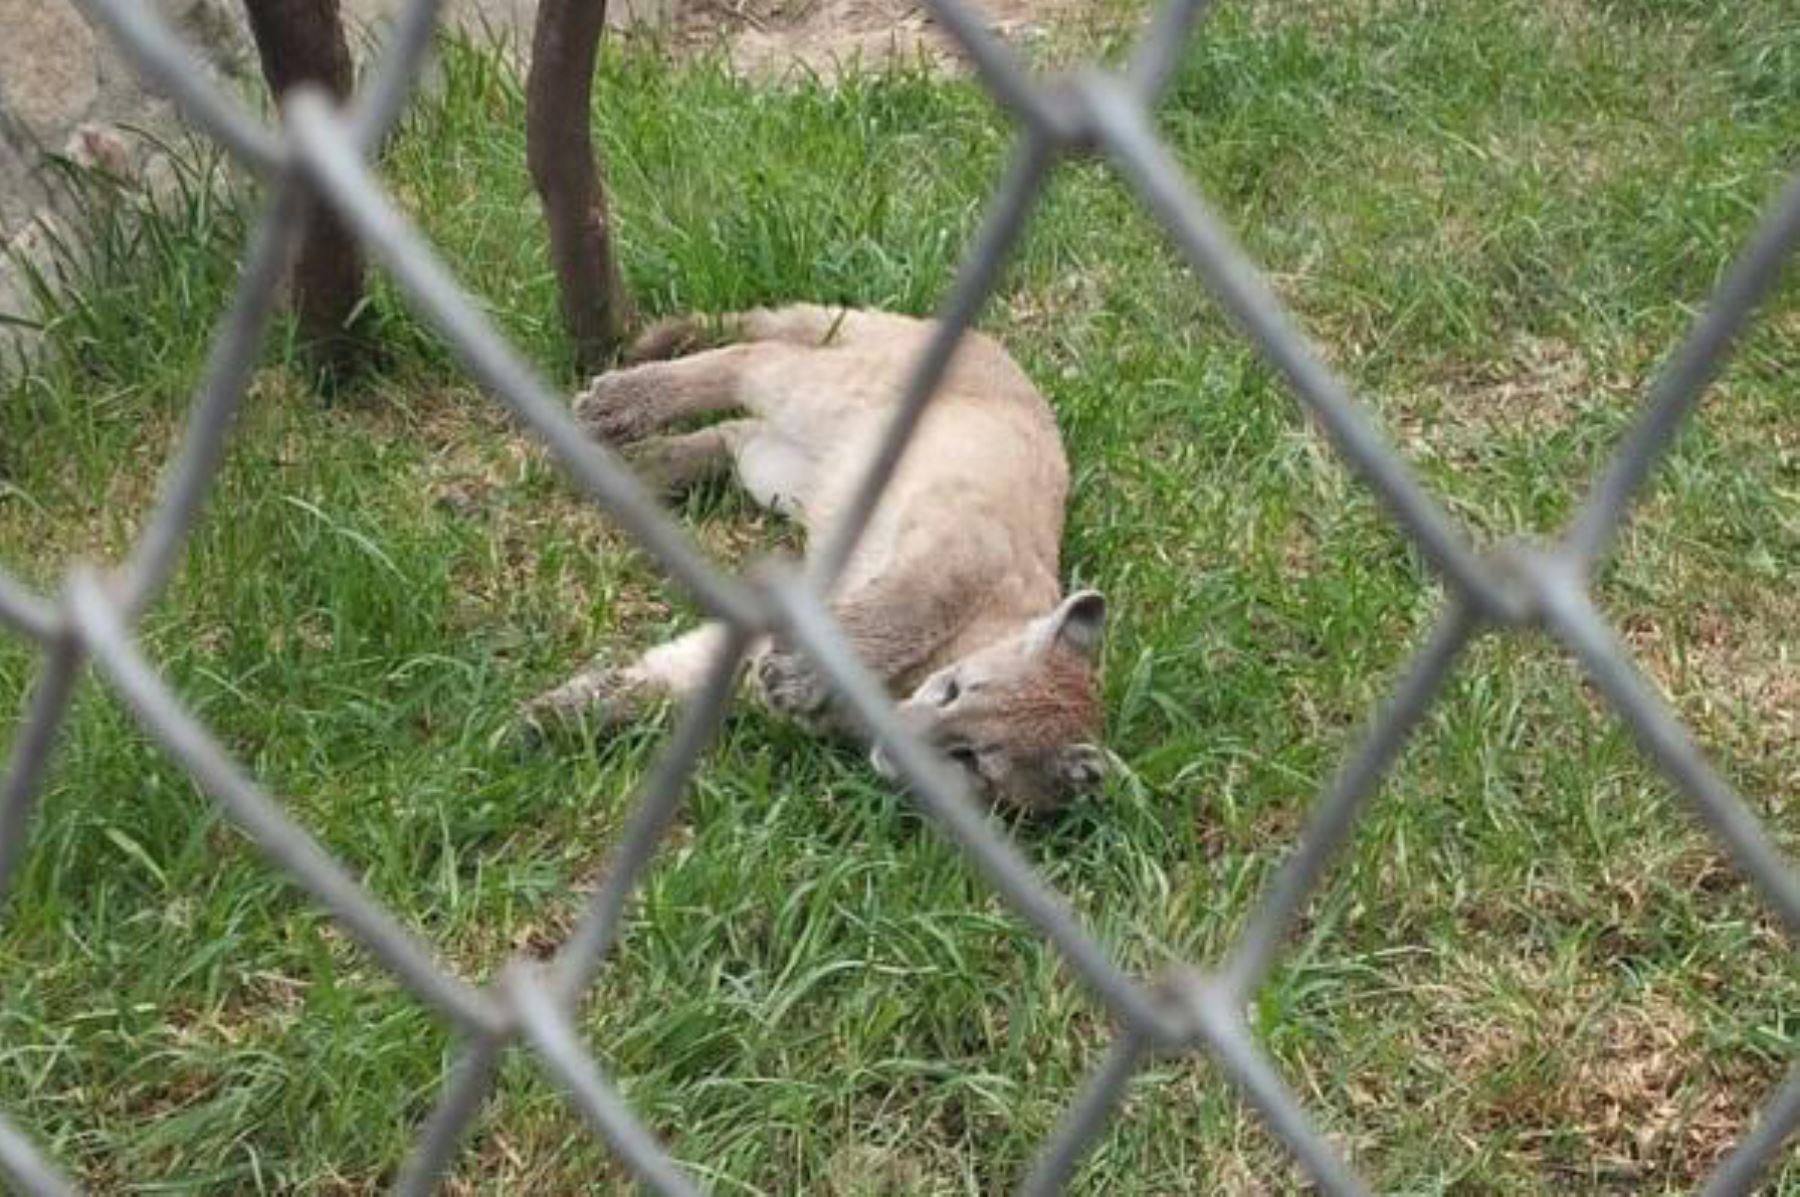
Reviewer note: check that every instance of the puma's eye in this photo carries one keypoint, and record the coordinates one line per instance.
(963, 755)
(951, 692)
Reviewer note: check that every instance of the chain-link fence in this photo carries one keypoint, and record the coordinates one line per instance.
(322, 156)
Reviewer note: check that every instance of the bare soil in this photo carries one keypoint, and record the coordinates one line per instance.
(775, 37)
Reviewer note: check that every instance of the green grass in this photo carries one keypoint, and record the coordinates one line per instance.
(1530, 973)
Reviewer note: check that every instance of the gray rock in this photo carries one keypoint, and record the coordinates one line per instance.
(66, 89)
(49, 70)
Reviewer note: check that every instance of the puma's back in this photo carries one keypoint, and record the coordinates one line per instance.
(974, 510)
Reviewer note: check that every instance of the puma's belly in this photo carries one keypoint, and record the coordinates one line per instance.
(975, 485)
(777, 471)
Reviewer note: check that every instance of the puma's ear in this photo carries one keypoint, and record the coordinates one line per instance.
(1082, 767)
(1078, 623)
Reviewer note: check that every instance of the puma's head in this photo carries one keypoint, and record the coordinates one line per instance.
(1021, 717)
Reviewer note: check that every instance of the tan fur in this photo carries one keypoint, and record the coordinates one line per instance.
(958, 569)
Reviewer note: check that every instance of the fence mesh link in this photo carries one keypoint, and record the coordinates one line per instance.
(320, 154)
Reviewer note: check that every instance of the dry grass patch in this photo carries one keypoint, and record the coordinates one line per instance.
(1728, 662)
(1577, 1079)
(1538, 385)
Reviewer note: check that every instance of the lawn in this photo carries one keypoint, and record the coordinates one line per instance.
(1530, 972)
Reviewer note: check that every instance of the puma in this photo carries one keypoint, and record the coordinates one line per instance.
(952, 597)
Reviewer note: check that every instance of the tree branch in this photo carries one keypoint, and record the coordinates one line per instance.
(302, 41)
(566, 172)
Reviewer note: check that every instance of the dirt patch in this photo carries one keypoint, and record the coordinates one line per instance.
(872, 1170)
(1061, 305)
(1539, 384)
(765, 38)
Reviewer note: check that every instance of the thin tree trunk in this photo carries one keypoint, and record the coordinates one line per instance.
(566, 171)
(302, 41)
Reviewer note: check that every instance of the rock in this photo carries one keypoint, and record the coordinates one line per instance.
(65, 88)
(217, 29)
(49, 69)
(101, 148)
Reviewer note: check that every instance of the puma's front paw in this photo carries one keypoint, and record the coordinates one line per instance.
(598, 699)
(791, 686)
(617, 408)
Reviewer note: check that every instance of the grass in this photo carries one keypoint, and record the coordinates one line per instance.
(1530, 972)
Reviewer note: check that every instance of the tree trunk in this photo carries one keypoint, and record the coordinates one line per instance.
(302, 41)
(565, 169)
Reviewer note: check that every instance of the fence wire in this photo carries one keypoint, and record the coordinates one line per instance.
(320, 154)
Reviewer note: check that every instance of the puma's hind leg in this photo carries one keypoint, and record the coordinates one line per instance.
(677, 336)
(806, 325)
(627, 405)
(674, 464)
(775, 470)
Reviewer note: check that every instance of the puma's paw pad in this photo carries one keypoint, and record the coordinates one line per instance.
(616, 408)
(790, 686)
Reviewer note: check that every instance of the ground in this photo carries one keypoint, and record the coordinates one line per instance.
(771, 38)
(1531, 972)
